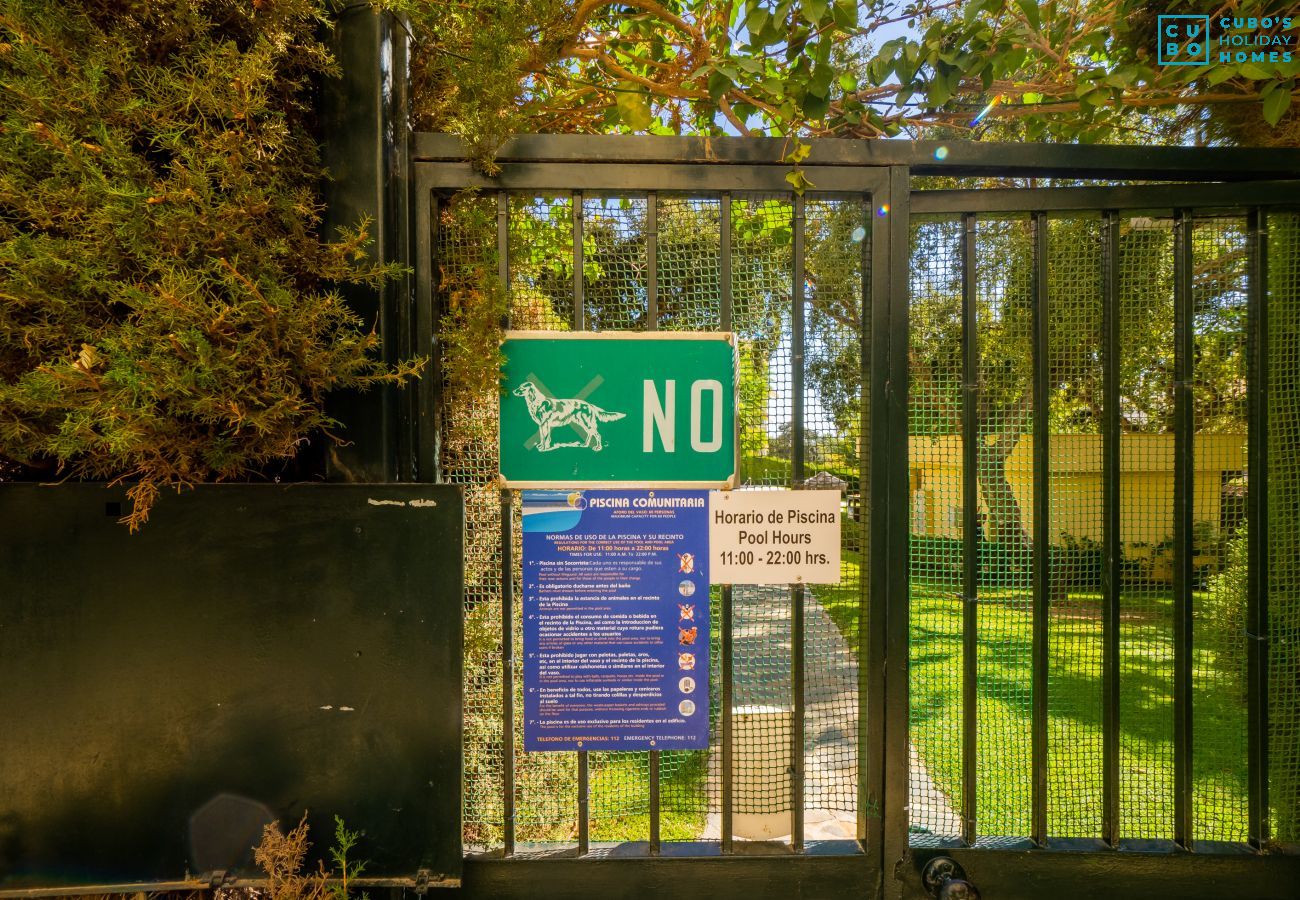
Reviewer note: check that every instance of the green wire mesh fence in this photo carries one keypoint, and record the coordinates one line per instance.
(659, 261)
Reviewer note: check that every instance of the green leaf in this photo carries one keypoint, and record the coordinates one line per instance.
(815, 106)
(1014, 59)
(813, 10)
(1099, 97)
(719, 84)
(1122, 77)
(1276, 104)
(845, 13)
(1219, 74)
(634, 110)
(798, 154)
(821, 79)
(938, 93)
(1254, 72)
(1030, 9)
(774, 32)
(848, 82)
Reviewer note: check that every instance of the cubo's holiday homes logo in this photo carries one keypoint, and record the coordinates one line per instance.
(1184, 40)
(1193, 40)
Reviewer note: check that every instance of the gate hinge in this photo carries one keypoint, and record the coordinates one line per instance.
(219, 878)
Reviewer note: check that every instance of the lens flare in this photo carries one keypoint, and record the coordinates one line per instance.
(941, 153)
(883, 210)
(986, 110)
(859, 234)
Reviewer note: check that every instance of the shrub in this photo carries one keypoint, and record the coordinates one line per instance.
(167, 311)
(1221, 611)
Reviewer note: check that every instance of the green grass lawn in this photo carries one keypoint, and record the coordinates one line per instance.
(620, 796)
(1074, 719)
(620, 785)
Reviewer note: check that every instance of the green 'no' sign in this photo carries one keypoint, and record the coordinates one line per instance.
(581, 409)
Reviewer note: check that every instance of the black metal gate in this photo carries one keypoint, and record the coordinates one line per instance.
(1064, 648)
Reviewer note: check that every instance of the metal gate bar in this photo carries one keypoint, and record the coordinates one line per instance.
(580, 324)
(1042, 534)
(652, 324)
(797, 340)
(1128, 197)
(728, 675)
(866, 621)
(1257, 532)
(1184, 337)
(970, 527)
(507, 581)
(1112, 552)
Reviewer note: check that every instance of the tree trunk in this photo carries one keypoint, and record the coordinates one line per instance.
(1005, 520)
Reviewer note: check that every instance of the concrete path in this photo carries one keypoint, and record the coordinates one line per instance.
(762, 650)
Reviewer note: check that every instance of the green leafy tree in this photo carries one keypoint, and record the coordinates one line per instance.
(1073, 70)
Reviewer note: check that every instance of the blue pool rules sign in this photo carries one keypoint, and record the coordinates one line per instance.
(616, 620)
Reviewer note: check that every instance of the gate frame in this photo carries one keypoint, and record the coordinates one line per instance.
(1232, 179)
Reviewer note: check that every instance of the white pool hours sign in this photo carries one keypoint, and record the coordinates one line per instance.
(774, 537)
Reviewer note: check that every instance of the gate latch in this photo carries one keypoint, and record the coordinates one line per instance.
(945, 879)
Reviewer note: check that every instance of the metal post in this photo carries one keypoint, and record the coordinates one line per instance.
(507, 580)
(866, 697)
(363, 120)
(1257, 534)
(970, 527)
(1042, 533)
(508, 671)
(1112, 551)
(428, 432)
(880, 435)
(584, 805)
(652, 262)
(503, 243)
(652, 324)
(894, 446)
(728, 727)
(1184, 347)
(654, 803)
(724, 259)
(728, 698)
(580, 324)
(579, 312)
(797, 476)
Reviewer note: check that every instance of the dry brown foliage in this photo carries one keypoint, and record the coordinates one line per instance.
(282, 856)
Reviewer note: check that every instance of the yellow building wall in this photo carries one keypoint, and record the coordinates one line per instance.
(1076, 486)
